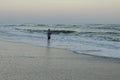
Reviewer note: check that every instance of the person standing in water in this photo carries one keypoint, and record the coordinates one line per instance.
(49, 34)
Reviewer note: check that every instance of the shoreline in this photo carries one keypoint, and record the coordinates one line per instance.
(100, 57)
(97, 56)
(19, 61)
(113, 59)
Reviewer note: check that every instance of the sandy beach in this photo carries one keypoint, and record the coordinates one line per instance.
(28, 62)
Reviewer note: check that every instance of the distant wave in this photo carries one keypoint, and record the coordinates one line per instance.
(108, 36)
(44, 31)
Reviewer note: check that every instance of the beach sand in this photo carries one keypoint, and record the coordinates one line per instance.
(28, 62)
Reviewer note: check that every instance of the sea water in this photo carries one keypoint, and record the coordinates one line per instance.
(93, 39)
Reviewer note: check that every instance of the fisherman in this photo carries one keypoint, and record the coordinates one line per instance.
(49, 34)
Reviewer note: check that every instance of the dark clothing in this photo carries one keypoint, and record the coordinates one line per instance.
(49, 37)
(49, 34)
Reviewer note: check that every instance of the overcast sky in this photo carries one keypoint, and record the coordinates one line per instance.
(59, 11)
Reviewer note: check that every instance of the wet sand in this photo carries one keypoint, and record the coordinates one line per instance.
(28, 62)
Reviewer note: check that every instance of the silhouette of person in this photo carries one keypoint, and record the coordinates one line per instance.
(49, 34)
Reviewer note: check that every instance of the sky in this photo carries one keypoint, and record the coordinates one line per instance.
(60, 11)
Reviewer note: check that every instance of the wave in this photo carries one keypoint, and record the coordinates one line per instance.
(100, 33)
(45, 31)
(115, 27)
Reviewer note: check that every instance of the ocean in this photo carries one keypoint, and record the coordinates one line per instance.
(92, 39)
